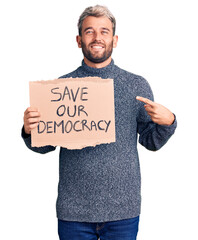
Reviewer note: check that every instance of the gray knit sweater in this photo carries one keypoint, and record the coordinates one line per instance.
(102, 183)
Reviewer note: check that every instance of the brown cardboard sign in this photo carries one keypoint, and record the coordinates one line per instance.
(75, 112)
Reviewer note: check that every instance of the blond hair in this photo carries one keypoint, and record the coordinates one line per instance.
(96, 11)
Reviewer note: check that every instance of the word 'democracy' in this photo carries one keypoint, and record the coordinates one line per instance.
(75, 112)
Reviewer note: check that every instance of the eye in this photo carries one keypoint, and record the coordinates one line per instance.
(105, 32)
(89, 32)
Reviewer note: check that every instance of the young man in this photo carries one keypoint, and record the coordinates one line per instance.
(99, 187)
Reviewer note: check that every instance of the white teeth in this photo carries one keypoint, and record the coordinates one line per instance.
(99, 47)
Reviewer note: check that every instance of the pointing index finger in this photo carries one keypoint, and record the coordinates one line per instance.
(145, 100)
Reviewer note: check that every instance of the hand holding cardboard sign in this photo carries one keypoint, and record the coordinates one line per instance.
(158, 113)
(31, 119)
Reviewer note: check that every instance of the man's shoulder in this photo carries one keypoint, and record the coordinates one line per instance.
(129, 75)
(133, 81)
(72, 74)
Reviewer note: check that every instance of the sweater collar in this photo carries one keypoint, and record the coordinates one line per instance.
(91, 70)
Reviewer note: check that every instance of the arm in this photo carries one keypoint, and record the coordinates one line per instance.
(154, 136)
(31, 120)
(156, 124)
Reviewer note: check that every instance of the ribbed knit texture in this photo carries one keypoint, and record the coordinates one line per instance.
(102, 183)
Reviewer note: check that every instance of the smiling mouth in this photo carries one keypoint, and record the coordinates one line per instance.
(98, 47)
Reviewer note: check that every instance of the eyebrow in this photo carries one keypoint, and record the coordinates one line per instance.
(106, 29)
(87, 29)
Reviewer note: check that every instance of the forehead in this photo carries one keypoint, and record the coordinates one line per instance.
(97, 22)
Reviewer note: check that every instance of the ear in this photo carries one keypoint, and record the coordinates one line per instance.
(78, 40)
(115, 41)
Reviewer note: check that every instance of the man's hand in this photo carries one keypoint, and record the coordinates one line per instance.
(158, 113)
(31, 119)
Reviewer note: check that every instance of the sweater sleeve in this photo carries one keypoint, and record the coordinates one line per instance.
(27, 140)
(151, 135)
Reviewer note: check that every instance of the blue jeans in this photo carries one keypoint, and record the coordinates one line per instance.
(116, 230)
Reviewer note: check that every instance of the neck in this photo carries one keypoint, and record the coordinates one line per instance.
(97, 65)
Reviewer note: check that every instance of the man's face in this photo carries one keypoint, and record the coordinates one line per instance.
(97, 40)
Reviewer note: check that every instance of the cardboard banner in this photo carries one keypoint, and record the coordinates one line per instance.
(75, 112)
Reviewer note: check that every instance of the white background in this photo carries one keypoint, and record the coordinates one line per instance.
(158, 40)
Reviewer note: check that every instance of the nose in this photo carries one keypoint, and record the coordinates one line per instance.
(97, 36)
